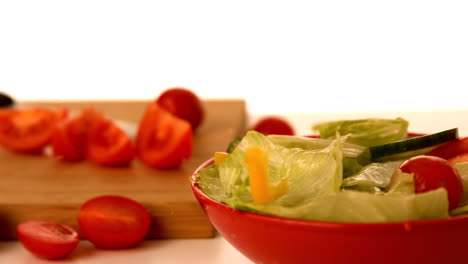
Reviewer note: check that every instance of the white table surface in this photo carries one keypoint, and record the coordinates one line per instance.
(171, 251)
(218, 250)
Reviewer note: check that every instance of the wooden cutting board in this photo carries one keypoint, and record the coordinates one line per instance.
(42, 188)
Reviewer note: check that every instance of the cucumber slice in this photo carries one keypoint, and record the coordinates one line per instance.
(411, 147)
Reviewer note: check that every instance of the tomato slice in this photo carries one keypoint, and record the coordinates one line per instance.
(276, 125)
(91, 136)
(114, 222)
(49, 240)
(431, 173)
(69, 138)
(163, 140)
(107, 144)
(451, 149)
(28, 130)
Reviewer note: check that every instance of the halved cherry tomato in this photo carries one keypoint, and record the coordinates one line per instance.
(70, 136)
(90, 135)
(163, 140)
(269, 125)
(451, 149)
(431, 173)
(114, 222)
(184, 104)
(28, 130)
(49, 240)
(107, 144)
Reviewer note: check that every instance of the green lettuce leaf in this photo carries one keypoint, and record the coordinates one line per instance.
(311, 174)
(208, 180)
(354, 156)
(365, 132)
(308, 143)
(372, 178)
(401, 183)
(355, 206)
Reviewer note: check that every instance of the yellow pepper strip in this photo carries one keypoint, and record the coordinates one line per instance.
(219, 157)
(257, 164)
(262, 191)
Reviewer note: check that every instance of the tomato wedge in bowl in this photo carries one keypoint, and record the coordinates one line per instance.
(273, 239)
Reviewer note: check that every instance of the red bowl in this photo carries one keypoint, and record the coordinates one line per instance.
(270, 239)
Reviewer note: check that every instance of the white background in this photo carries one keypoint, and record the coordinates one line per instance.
(308, 57)
(281, 56)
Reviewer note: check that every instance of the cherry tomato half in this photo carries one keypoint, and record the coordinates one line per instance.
(107, 144)
(276, 125)
(69, 137)
(431, 173)
(163, 140)
(49, 240)
(28, 130)
(451, 149)
(114, 222)
(90, 135)
(184, 104)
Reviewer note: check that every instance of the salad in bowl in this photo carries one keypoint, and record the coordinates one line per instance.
(358, 185)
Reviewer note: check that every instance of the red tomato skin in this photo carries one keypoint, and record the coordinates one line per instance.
(62, 114)
(48, 240)
(114, 222)
(273, 125)
(163, 141)
(431, 173)
(184, 104)
(451, 149)
(91, 136)
(108, 145)
(69, 139)
(28, 130)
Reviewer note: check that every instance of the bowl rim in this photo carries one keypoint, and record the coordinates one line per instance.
(355, 226)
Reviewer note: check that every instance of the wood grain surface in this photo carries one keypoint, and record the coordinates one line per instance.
(42, 188)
